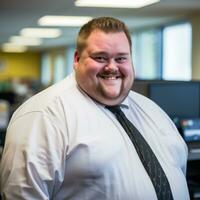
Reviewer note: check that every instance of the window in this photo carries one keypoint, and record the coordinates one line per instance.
(69, 59)
(147, 54)
(59, 68)
(177, 52)
(46, 69)
(163, 53)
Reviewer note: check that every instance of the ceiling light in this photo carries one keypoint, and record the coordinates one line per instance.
(115, 3)
(29, 41)
(63, 20)
(9, 47)
(41, 32)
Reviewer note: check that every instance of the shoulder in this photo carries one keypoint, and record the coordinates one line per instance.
(143, 101)
(150, 109)
(150, 112)
(46, 100)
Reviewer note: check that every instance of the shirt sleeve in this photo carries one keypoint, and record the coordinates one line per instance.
(33, 160)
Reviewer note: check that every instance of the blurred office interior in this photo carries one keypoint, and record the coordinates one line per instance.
(166, 57)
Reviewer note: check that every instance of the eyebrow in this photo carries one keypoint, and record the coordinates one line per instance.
(105, 53)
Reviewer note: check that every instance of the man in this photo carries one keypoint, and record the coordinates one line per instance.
(65, 144)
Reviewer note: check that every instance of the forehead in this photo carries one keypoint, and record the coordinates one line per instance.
(99, 40)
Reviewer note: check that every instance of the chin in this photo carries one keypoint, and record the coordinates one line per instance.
(111, 95)
(110, 101)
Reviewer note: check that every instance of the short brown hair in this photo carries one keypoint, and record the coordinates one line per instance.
(105, 24)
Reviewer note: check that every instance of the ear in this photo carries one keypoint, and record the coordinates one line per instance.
(76, 59)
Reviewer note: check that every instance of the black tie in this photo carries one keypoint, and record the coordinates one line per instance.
(148, 158)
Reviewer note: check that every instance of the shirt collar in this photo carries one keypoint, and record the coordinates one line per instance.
(125, 103)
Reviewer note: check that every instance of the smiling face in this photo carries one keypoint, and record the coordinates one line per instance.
(104, 69)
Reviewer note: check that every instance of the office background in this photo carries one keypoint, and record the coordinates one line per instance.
(166, 57)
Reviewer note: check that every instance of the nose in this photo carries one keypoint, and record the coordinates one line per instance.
(111, 66)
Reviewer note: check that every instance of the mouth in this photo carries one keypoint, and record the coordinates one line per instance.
(109, 76)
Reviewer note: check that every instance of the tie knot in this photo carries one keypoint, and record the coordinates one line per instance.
(114, 109)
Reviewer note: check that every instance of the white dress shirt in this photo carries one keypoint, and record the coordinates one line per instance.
(62, 145)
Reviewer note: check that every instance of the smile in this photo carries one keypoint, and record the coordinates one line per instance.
(109, 77)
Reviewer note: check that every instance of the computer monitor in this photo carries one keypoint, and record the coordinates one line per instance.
(190, 129)
(177, 99)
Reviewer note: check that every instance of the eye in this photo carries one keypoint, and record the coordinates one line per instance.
(121, 59)
(100, 59)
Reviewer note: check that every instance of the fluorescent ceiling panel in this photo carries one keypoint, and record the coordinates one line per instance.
(29, 41)
(115, 3)
(41, 32)
(8, 47)
(63, 20)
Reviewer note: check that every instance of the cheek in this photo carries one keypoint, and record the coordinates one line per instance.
(92, 67)
(127, 70)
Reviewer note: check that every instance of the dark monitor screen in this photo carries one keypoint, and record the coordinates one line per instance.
(177, 99)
